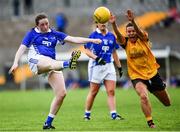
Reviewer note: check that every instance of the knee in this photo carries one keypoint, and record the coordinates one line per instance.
(94, 93)
(110, 92)
(61, 95)
(144, 98)
(50, 67)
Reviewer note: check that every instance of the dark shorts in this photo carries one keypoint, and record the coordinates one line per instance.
(153, 84)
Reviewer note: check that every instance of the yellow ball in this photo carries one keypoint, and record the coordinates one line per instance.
(101, 14)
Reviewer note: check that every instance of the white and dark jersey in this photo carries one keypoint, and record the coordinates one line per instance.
(43, 43)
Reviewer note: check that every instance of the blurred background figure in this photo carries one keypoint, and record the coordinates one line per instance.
(72, 80)
(61, 22)
(173, 13)
(28, 6)
(141, 1)
(16, 5)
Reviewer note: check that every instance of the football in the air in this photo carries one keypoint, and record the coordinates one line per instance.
(101, 15)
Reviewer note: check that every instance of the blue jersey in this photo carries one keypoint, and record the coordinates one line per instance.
(43, 43)
(106, 48)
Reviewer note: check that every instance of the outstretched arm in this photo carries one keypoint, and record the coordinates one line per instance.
(120, 37)
(80, 40)
(140, 33)
(19, 53)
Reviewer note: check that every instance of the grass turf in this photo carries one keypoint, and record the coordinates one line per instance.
(27, 111)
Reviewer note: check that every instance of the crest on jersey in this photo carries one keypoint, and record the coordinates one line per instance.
(105, 41)
(110, 42)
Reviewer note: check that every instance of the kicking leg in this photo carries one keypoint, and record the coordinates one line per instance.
(46, 64)
(74, 57)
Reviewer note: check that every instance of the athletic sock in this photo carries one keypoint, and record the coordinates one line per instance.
(87, 113)
(113, 114)
(49, 119)
(149, 118)
(66, 64)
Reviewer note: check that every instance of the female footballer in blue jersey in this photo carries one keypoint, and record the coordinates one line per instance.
(101, 69)
(41, 42)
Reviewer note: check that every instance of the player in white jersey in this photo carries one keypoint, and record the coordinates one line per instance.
(41, 42)
(101, 69)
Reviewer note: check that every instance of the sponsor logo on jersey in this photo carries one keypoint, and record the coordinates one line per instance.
(47, 43)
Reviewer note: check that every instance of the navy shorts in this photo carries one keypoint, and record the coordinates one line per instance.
(153, 84)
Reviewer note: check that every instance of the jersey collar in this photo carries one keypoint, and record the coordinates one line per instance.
(38, 31)
(98, 31)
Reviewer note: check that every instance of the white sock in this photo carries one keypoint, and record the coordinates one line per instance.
(51, 115)
(87, 111)
(113, 111)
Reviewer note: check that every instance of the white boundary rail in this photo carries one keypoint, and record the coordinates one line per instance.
(159, 54)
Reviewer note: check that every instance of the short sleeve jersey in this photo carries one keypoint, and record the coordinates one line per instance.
(44, 43)
(106, 48)
(140, 60)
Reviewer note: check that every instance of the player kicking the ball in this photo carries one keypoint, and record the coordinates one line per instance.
(41, 42)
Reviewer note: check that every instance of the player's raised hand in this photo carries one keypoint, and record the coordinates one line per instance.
(13, 68)
(130, 15)
(97, 41)
(112, 18)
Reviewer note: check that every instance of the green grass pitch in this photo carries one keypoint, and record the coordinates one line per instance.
(27, 111)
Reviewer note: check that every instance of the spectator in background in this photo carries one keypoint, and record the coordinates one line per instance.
(71, 81)
(173, 81)
(141, 1)
(83, 83)
(172, 3)
(28, 7)
(61, 22)
(173, 14)
(16, 6)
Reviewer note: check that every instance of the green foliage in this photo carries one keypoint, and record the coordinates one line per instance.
(27, 111)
